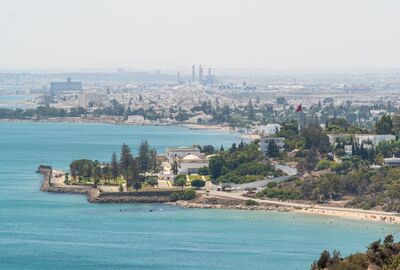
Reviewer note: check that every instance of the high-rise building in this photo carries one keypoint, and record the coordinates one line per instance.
(200, 75)
(210, 78)
(179, 78)
(193, 74)
(57, 87)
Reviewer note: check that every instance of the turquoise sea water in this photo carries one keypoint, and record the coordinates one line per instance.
(14, 101)
(55, 231)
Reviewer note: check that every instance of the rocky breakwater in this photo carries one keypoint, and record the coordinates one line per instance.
(130, 197)
(209, 202)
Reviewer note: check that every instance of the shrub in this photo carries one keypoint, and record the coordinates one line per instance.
(198, 183)
(180, 181)
(250, 203)
(174, 197)
(188, 194)
(185, 195)
(180, 176)
(281, 194)
(324, 164)
(271, 184)
(152, 180)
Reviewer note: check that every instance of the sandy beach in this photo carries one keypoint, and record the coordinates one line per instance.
(225, 200)
(350, 214)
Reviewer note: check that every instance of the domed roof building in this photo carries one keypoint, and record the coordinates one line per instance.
(191, 164)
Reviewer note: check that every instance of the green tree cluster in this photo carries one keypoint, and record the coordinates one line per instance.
(385, 256)
(240, 164)
(127, 166)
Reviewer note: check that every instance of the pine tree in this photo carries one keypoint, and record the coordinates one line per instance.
(250, 111)
(144, 157)
(272, 149)
(96, 173)
(175, 167)
(125, 160)
(155, 166)
(241, 146)
(222, 148)
(133, 176)
(114, 166)
(106, 172)
(233, 148)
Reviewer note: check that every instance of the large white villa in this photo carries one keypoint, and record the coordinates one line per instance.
(189, 159)
(180, 152)
(191, 164)
(373, 139)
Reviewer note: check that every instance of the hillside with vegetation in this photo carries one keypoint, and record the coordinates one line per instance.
(361, 188)
(379, 255)
(327, 173)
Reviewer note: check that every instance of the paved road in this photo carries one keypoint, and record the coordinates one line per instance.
(286, 169)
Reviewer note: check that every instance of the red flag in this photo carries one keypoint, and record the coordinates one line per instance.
(298, 109)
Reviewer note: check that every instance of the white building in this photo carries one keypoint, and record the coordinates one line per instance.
(348, 149)
(191, 164)
(373, 139)
(268, 130)
(392, 162)
(135, 119)
(91, 98)
(264, 142)
(181, 152)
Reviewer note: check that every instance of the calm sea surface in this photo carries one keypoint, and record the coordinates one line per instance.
(54, 231)
(14, 101)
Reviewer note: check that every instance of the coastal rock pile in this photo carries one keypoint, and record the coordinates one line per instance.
(128, 199)
(206, 202)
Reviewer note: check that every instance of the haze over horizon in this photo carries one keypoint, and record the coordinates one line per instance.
(174, 34)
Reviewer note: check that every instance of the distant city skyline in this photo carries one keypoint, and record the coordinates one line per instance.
(173, 35)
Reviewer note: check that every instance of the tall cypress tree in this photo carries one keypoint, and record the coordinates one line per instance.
(125, 160)
(114, 166)
(133, 177)
(272, 149)
(250, 111)
(144, 157)
(154, 164)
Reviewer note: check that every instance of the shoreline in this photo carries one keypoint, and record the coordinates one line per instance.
(344, 214)
(203, 201)
(190, 126)
(229, 202)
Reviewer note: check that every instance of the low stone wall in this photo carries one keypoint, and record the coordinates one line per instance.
(133, 197)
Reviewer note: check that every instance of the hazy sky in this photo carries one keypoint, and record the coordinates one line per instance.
(279, 34)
